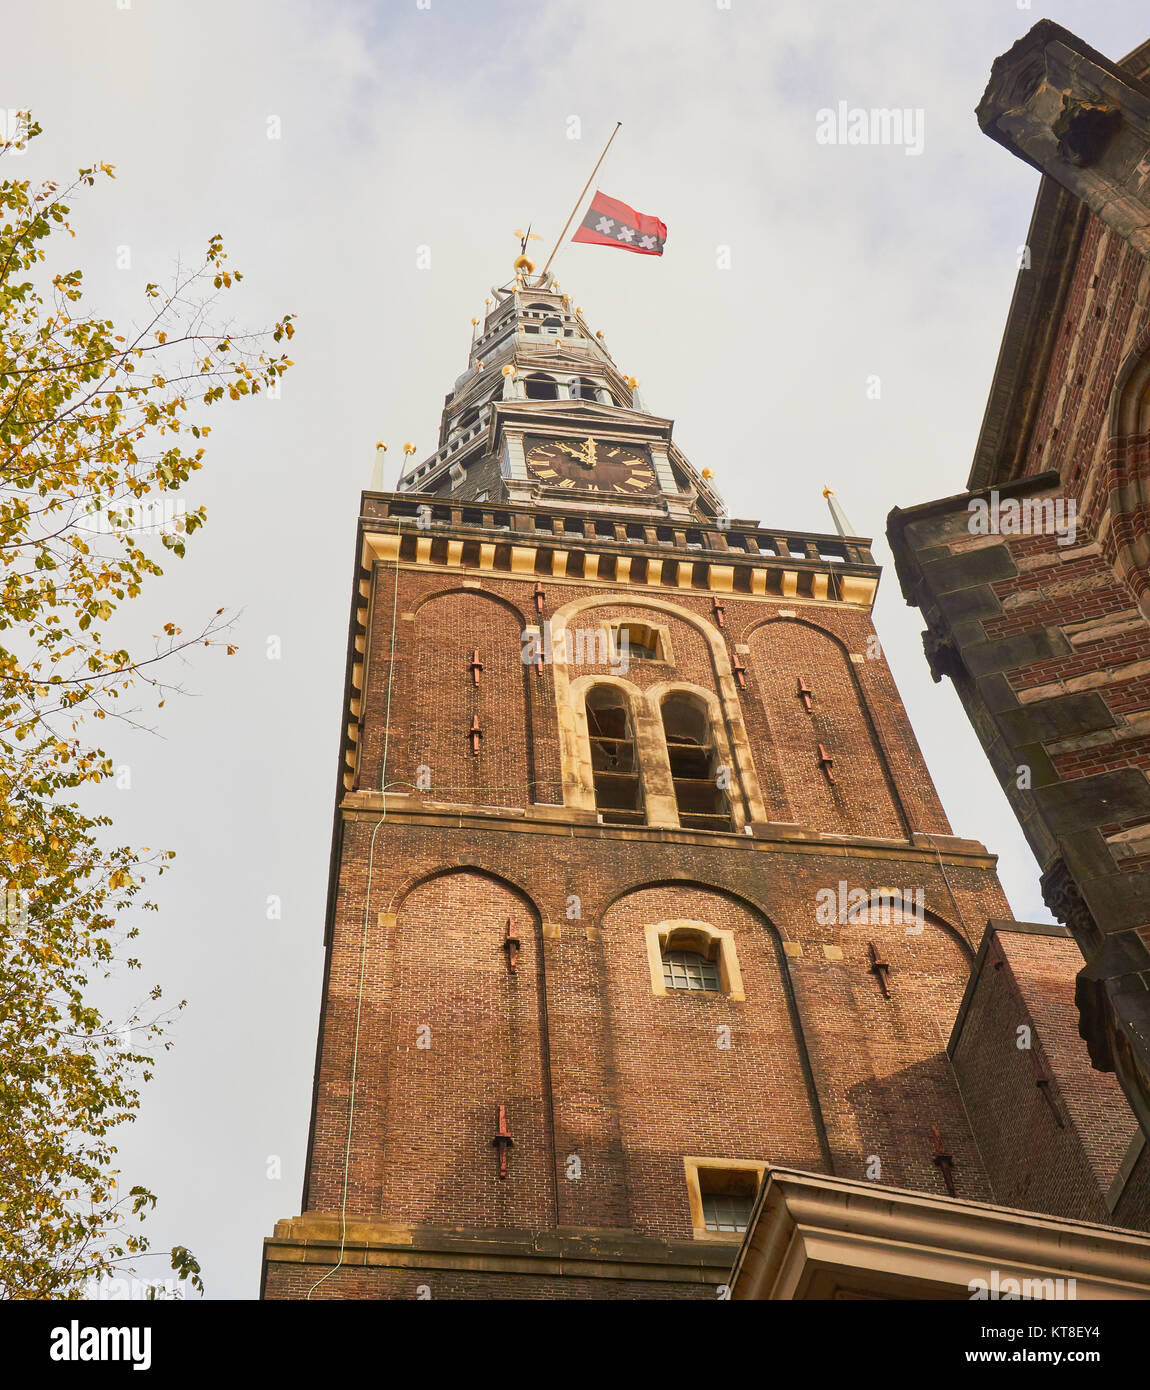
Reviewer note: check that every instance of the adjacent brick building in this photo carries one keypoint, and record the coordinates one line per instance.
(639, 884)
(1035, 583)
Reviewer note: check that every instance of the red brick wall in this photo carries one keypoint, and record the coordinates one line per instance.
(883, 1075)
(1105, 317)
(589, 1062)
(634, 1081)
(484, 1029)
(1100, 316)
(1133, 1205)
(680, 1090)
(433, 695)
(295, 1280)
(857, 713)
(860, 800)
(1027, 981)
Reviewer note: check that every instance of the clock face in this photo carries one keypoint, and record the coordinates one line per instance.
(590, 465)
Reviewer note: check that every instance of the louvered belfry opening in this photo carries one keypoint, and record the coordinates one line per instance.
(614, 764)
(701, 802)
(540, 388)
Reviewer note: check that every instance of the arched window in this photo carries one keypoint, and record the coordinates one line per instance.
(695, 772)
(614, 764)
(541, 388)
(542, 318)
(581, 389)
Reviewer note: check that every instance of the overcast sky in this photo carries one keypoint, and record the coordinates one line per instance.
(446, 124)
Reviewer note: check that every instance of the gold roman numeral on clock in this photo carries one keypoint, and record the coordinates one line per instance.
(567, 482)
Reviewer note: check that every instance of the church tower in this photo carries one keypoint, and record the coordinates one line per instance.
(639, 882)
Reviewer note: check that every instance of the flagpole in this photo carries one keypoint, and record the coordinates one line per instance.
(582, 195)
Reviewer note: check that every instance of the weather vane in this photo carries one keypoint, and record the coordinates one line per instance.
(523, 261)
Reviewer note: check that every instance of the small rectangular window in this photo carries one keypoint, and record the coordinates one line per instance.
(641, 643)
(726, 1213)
(690, 970)
(722, 1193)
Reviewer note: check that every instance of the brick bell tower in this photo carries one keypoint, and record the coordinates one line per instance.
(618, 772)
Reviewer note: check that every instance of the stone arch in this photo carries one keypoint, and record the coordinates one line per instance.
(1127, 538)
(421, 876)
(458, 590)
(583, 772)
(861, 918)
(863, 798)
(750, 905)
(735, 758)
(928, 963)
(682, 1089)
(541, 386)
(431, 753)
(800, 622)
(728, 695)
(1129, 411)
(465, 1034)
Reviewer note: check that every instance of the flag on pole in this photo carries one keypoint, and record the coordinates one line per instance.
(609, 222)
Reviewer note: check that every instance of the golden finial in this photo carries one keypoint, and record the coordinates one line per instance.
(828, 492)
(598, 333)
(632, 382)
(409, 448)
(523, 261)
(578, 308)
(381, 447)
(707, 475)
(508, 370)
(474, 321)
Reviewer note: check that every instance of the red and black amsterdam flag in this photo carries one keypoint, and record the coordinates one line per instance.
(609, 222)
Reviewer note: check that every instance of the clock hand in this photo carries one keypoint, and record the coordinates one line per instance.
(590, 460)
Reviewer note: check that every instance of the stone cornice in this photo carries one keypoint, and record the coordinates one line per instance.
(574, 823)
(813, 1236)
(315, 1238)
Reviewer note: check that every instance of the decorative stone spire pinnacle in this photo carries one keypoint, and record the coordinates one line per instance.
(838, 516)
